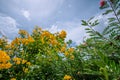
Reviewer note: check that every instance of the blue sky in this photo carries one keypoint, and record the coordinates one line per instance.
(53, 15)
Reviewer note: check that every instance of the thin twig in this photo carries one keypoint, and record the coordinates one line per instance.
(114, 10)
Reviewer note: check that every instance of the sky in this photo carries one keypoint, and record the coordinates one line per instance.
(53, 15)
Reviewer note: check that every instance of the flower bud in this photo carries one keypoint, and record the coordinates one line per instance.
(102, 3)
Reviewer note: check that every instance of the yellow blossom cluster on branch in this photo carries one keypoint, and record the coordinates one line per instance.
(23, 32)
(4, 60)
(20, 61)
(67, 77)
(62, 34)
(68, 52)
(25, 41)
(13, 79)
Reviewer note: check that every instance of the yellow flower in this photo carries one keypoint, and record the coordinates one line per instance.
(66, 53)
(37, 30)
(25, 69)
(16, 41)
(8, 65)
(4, 58)
(53, 42)
(42, 40)
(65, 45)
(24, 61)
(62, 34)
(52, 37)
(30, 39)
(23, 32)
(78, 73)
(28, 63)
(13, 79)
(67, 77)
(63, 49)
(24, 41)
(45, 34)
(8, 46)
(5, 65)
(71, 50)
(17, 60)
(72, 57)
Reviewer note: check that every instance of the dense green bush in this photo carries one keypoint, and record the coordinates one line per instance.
(43, 55)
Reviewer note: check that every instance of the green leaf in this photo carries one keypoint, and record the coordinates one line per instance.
(89, 32)
(113, 24)
(107, 12)
(111, 19)
(84, 23)
(87, 28)
(90, 19)
(116, 4)
(118, 13)
(95, 23)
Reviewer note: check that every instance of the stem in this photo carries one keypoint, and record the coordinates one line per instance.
(102, 36)
(114, 10)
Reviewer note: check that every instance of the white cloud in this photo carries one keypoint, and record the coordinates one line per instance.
(54, 29)
(8, 26)
(103, 18)
(103, 21)
(74, 30)
(38, 8)
(26, 14)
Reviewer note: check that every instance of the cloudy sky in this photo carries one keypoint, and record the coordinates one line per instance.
(53, 15)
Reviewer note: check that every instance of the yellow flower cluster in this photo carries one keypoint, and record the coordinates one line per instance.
(37, 30)
(4, 58)
(23, 32)
(72, 57)
(68, 52)
(45, 34)
(28, 40)
(8, 46)
(17, 60)
(25, 41)
(16, 41)
(71, 50)
(24, 61)
(20, 61)
(63, 49)
(62, 34)
(53, 40)
(13, 79)
(67, 77)
(28, 63)
(25, 69)
(47, 37)
(5, 65)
